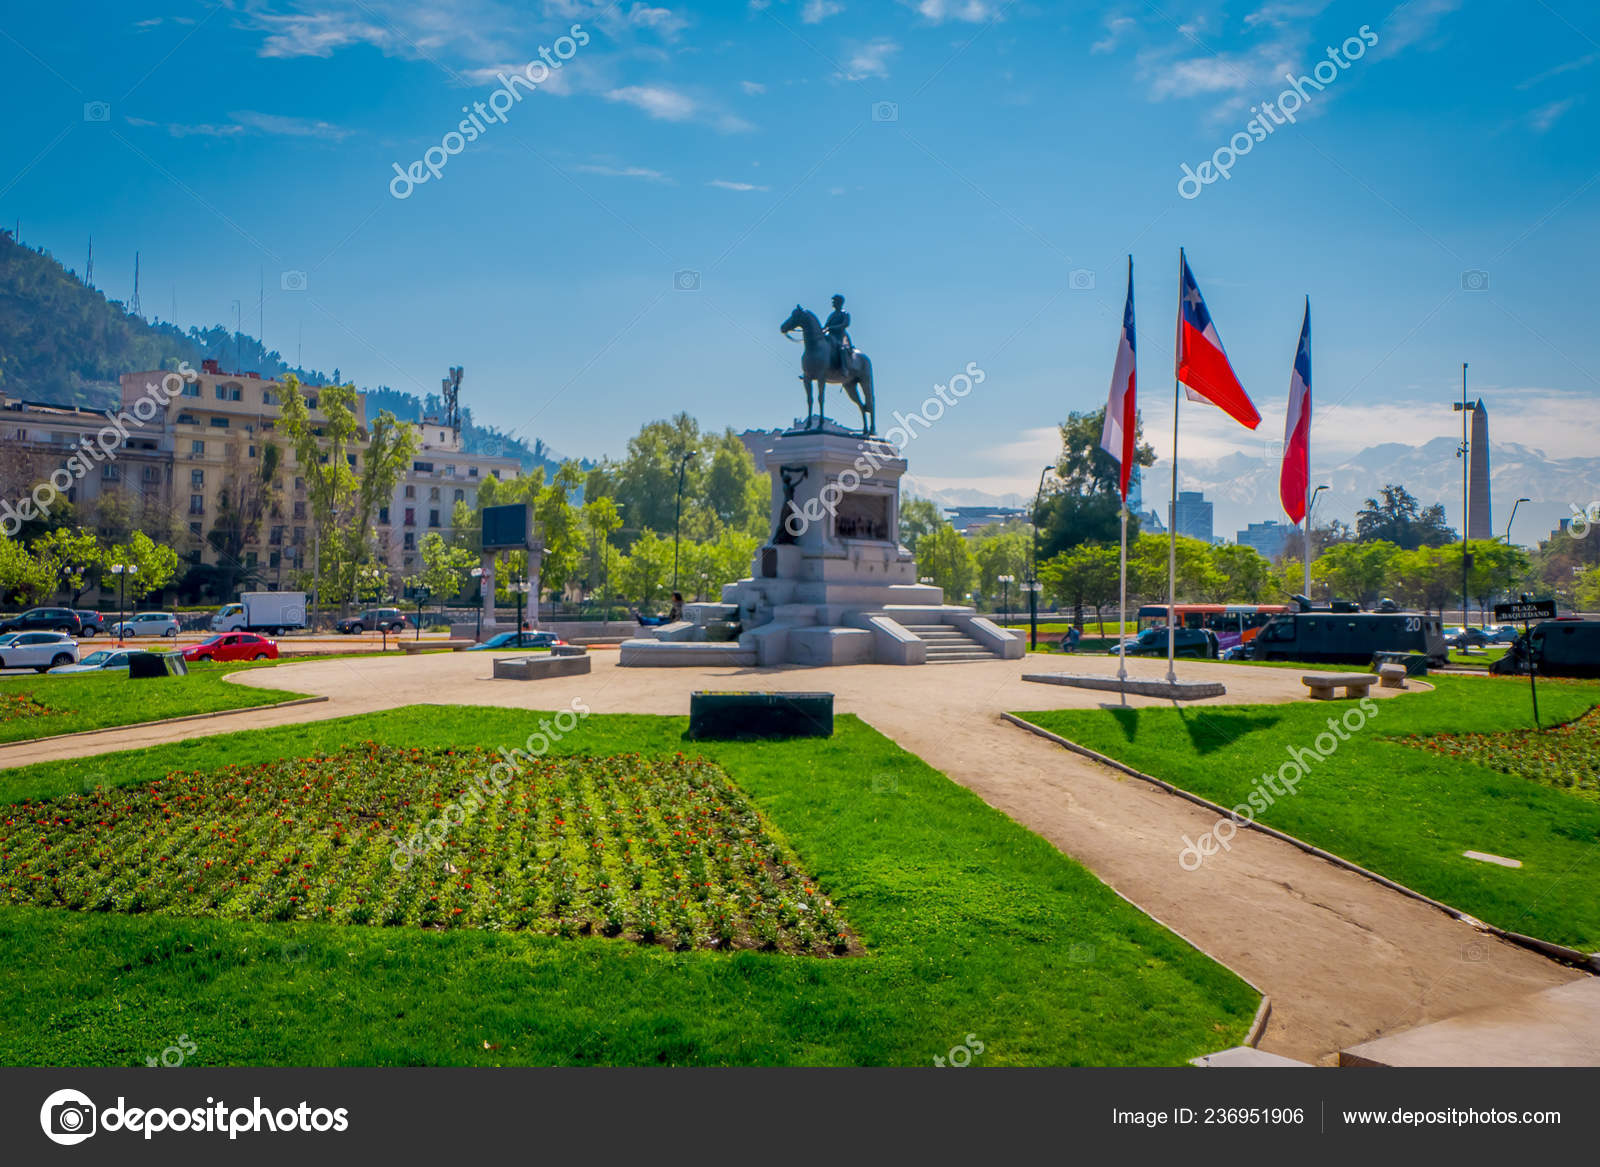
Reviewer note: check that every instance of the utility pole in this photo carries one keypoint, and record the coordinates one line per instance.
(1461, 452)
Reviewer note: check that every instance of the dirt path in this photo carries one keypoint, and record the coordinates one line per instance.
(1344, 959)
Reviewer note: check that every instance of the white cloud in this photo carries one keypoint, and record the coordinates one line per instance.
(869, 60)
(1117, 27)
(662, 21)
(249, 121)
(609, 171)
(753, 88)
(967, 11)
(1410, 24)
(725, 184)
(668, 105)
(1546, 116)
(1582, 62)
(816, 11)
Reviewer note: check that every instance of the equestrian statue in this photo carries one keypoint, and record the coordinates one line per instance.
(830, 357)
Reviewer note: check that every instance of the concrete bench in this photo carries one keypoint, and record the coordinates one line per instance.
(1322, 685)
(537, 668)
(1392, 676)
(427, 645)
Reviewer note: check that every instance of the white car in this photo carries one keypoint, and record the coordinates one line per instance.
(147, 624)
(105, 660)
(37, 650)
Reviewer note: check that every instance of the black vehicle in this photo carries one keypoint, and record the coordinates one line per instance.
(382, 619)
(44, 620)
(1187, 642)
(1324, 636)
(93, 623)
(1558, 648)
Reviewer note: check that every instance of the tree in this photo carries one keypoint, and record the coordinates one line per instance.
(1398, 518)
(646, 481)
(68, 556)
(1089, 574)
(1496, 568)
(1428, 576)
(736, 494)
(943, 556)
(1357, 571)
(1586, 589)
(1241, 573)
(1001, 551)
(561, 528)
(21, 573)
(157, 564)
(647, 568)
(601, 519)
(1084, 504)
(247, 495)
(918, 517)
(444, 568)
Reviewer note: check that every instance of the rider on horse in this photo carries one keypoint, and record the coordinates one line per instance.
(836, 327)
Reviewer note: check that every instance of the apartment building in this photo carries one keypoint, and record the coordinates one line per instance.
(218, 430)
(441, 475)
(126, 480)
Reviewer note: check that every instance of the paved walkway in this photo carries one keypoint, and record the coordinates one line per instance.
(1343, 959)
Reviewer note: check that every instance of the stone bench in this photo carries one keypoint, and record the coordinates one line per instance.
(537, 668)
(1322, 685)
(427, 645)
(1392, 676)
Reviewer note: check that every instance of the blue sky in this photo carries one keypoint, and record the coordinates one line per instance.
(947, 164)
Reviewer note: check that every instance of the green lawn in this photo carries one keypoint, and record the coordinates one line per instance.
(970, 925)
(73, 702)
(1403, 812)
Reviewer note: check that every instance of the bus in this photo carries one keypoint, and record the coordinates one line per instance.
(1234, 624)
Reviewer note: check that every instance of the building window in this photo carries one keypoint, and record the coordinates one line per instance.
(249, 558)
(230, 393)
(411, 516)
(196, 447)
(411, 492)
(383, 517)
(188, 419)
(472, 472)
(197, 479)
(351, 458)
(152, 474)
(461, 496)
(300, 484)
(110, 473)
(433, 518)
(190, 389)
(449, 471)
(219, 423)
(268, 397)
(300, 513)
(299, 537)
(194, 529)
(411, 543)
(197, 504)
(422, 467)
(311, 402)
(433, 494)
(253, 454)
(273, 559)
(275, 538)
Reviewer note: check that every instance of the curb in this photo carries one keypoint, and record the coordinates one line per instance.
(61, 737)
(1546, 948)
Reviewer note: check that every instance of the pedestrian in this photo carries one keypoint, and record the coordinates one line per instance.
(1074, 634)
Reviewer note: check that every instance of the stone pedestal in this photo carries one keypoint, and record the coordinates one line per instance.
(831, 585)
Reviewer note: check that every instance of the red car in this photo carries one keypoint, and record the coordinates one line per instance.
(233, 646)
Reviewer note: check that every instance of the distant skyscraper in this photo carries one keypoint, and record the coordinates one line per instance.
(1480, 512)
(1193, 516)
(1267, 538)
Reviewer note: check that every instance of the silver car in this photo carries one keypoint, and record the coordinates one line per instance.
(41, 651)
(147, 624)
(105, 660)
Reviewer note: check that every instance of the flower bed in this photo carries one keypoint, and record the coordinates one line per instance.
(1566, 757)
(659, 850)
(20, 704)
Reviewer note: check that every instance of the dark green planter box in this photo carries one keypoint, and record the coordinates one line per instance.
(157, 664)
(746, 716)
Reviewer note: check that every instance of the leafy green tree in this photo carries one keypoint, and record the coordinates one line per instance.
(22, 573)
(1361, 571)
(1001, 551)
(918, 517)
(735, 493)
(601, 520)
(943, 556)
(562, 529)
(157, 564)
(646, 481)
(1241, 573)
(444, 568)
(1083, 504)
(646, 571)
(1496, 569)
(1087, 575)
(69, 557)
(1396, 517)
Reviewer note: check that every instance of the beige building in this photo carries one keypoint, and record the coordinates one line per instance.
(218, 429)
(441, 475)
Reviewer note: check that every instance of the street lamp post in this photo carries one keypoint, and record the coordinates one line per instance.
(477, 574)
(1464, 410)
(677, 521)
(1033, 564)
(1307, 548)
(122, 571)
(1005, 582)
(1513, 518)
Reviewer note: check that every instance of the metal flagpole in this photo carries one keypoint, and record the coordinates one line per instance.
(1305, 552)
(1172, 509)
(1122, 600)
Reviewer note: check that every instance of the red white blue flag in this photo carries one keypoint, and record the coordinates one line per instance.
(1203, 367)
(1117, 433)
(1295, 476)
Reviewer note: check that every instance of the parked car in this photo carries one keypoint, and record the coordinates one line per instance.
(101, 661)
(93, 622)
(1466, 637)
(227, 646)
(147, 624)
(1504, 634)
(380, 619)
(37, 650)
(1189, 642)
(518, 640)
(44, 620)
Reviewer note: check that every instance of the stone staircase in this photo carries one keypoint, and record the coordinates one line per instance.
(948, 644)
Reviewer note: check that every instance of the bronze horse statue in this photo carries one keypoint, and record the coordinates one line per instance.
(819, 362)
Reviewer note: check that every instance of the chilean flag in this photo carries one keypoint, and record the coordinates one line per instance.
(1296, 474)
(1202, 364)
(1117, 434)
